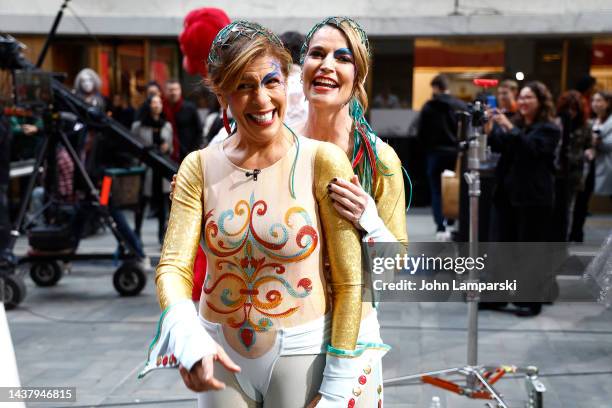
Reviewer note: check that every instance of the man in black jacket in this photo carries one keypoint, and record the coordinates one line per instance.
(183, 115)
(437, 133)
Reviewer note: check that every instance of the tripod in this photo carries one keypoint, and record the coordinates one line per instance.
(476, 381)
(129, 279)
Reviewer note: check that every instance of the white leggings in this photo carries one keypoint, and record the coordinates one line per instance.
(288, 375)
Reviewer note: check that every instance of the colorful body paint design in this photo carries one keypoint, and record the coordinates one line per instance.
(240, 266)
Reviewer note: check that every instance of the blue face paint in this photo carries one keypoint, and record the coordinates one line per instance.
(275, 74)
(342, 52)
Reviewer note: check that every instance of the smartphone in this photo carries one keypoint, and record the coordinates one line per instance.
(491, 101)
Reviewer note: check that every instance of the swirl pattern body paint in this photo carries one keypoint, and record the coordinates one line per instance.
(251, 265)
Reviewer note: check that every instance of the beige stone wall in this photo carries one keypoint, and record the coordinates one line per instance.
(379, 17)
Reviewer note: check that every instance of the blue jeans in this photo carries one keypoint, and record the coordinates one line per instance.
(126, 231)
(437, 162)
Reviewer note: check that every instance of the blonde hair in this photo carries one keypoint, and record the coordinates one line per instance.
(225, 73)
(361, 57)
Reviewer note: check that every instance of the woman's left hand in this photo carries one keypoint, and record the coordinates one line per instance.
(348, 198)
(172, 186)
(503, 121)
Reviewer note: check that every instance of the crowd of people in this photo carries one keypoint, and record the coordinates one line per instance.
(551, 156)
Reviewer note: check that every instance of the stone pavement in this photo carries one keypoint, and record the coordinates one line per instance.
(81, 333)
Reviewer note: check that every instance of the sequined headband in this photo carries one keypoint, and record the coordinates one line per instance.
(335, 21)
(235, 30)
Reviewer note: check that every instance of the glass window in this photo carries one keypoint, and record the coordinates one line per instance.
(601, 62)
(460, 59)
(131, 71)
(163, 62)
(391, 74)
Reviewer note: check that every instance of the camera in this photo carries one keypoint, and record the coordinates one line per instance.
(33, 89)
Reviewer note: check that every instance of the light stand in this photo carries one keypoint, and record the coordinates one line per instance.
(478, 380)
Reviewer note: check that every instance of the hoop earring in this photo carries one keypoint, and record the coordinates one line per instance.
(226, 123)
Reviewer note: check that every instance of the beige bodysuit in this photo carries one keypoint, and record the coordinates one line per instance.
(265, 240)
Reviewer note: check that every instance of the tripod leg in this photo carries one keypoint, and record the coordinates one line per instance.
(77, 162)
(28, 193)
(106, 214)
(420, 376)
(490, 389)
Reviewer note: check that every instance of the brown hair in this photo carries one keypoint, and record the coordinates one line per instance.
(571, 100)
(511, 84)
(225, 73)
(546, 108)
(440, 81)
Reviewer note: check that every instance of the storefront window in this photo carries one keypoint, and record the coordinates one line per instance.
(461, 60)
(163, 62)
(601, 62)
(105, 69)
(131, 71)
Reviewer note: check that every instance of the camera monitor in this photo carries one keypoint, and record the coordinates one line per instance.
(33, 88)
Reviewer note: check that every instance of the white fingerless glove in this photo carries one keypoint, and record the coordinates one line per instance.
(373, 225)
(180, 339)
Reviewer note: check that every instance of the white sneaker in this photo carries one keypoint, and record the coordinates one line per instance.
(146, 263)
(443, 236)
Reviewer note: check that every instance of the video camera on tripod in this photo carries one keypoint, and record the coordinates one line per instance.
(471, 122)
(62, 112)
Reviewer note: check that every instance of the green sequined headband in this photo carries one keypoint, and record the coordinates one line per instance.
(335, 21)
(236, 30)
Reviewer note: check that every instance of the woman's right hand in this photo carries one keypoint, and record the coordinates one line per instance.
(201, 378)
(29, 130)
(172, 186)
(589, 154)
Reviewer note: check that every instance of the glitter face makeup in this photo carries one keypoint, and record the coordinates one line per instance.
(343, 53)
(272, 76)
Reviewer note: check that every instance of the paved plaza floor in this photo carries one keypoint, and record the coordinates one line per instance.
(81, 333)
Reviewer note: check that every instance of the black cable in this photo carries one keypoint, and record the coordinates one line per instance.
(169, 401)
(70, 321)
(460, 329)
(500, 330)
(132, 403)
(515, 376)
(82, 23)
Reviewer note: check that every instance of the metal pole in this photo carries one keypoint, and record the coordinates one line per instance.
(51, 36)
(27, 195)
(473, 180)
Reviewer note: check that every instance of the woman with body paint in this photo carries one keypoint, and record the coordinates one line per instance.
(273, 329)
(335, 61)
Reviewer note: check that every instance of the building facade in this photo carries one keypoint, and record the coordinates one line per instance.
(131, 41)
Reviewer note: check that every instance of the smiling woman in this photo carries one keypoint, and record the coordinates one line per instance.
(264, 303)
(335, 59)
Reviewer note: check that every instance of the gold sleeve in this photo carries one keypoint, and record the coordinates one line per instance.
(343, 248)
(389, 194)
(174, 275)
